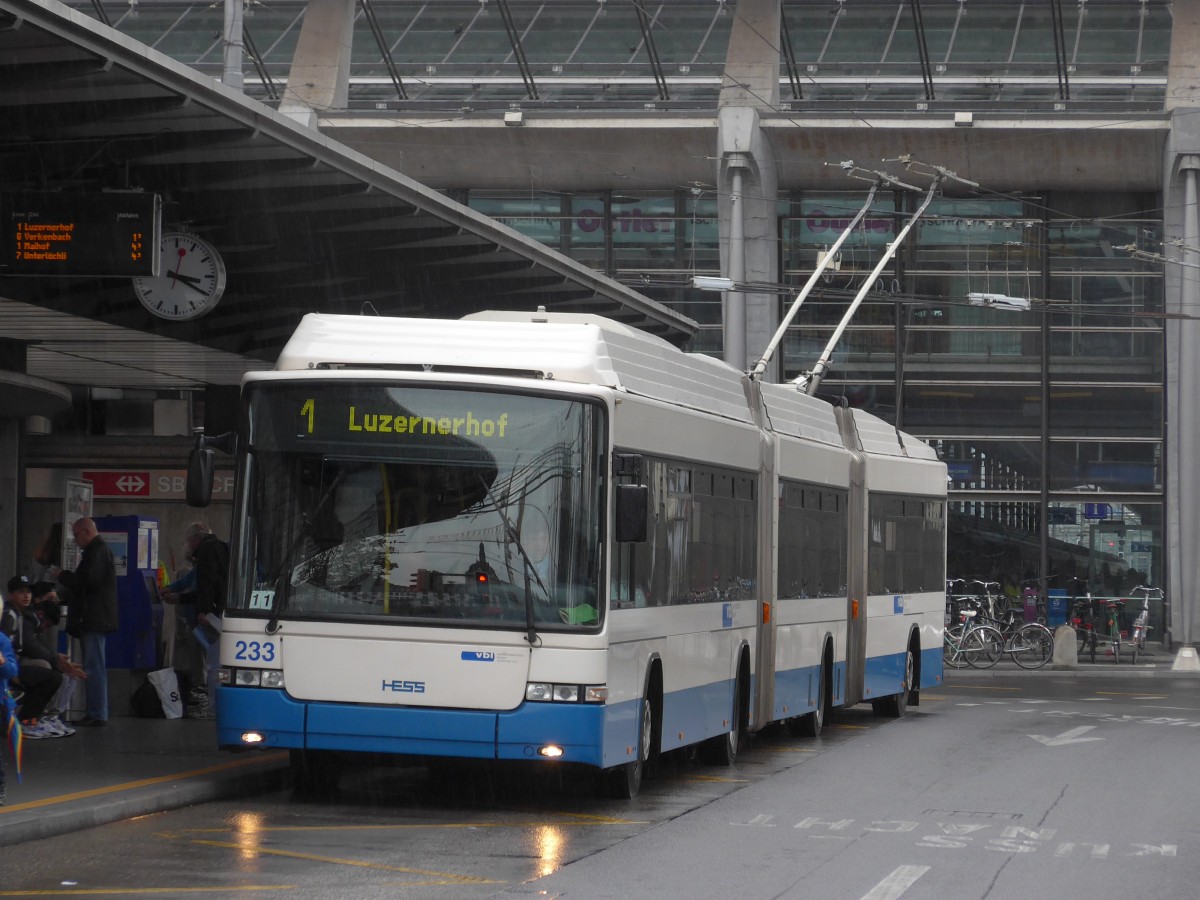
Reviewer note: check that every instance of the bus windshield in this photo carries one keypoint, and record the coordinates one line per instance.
(418, 505)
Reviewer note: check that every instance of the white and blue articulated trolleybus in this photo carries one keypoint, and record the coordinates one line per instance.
(555, 539)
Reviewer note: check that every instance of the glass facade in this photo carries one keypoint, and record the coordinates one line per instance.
(1055, 412)
(599, 54)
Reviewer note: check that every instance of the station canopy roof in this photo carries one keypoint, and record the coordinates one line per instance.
(304, 224)
(468, 56)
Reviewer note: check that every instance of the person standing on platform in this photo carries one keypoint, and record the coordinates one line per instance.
(206, 584)
(92, 613)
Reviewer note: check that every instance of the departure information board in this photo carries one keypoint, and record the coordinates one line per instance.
(107, 235)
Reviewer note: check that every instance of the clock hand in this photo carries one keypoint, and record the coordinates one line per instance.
(182, 253)
(192, 282)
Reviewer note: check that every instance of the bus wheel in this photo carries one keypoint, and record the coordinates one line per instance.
(810, 724)
(314, 772)
(895, 706)
(624, 782)
(722, 750)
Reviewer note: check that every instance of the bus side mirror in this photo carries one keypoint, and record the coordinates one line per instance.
(200, 476)
(633, 507)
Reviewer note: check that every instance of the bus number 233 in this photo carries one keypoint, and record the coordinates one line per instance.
(254, 651)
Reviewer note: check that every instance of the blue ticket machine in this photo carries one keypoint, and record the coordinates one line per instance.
(134, 544)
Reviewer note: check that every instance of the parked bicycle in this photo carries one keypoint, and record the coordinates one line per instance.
(1030, 644)
(967, 642)
(1141, 625)
(1097, 621)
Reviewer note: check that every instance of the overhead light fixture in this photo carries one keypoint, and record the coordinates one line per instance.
(712, 283)
(514, 117)
(999, 301)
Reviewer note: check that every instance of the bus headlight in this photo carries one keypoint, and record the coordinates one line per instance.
(268, 678)
(548, 692)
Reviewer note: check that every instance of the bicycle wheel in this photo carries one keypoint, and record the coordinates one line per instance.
(952, 648)
(983, 646)
(1032, 646)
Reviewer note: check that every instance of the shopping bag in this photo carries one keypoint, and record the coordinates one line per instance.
(167, 685)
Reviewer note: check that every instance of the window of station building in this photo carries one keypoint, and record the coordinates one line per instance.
(1129, 354)
(1085, 410)
(702, 544)
(991, 407)
(647, 233)
(1110, 543)
(545, 218)
(865, 353)
(992, 464)
(1108, 465)
(939, 344)
(811, 224)
(906, 550)
(986, 540)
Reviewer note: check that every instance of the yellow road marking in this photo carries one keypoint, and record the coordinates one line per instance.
(1133, 694)
(131, 785)
(788, 750)
(442, 877)
(716, 778)
(108, 892)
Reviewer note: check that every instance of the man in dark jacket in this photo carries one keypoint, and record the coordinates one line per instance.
(40, 669)
(92, 615)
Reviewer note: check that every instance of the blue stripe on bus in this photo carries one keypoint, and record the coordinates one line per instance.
(469, 734)
(598, 735)
(885, 674)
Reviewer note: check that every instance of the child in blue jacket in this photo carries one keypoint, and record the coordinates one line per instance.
(8, 671)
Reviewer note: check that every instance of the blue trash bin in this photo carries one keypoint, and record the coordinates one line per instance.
(1056, 607)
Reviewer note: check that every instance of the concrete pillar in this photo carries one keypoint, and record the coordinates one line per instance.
(1181, 169)
(746, 170)
(320, 74)
(231, 74)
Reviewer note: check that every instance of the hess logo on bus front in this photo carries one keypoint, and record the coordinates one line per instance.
(399, 686)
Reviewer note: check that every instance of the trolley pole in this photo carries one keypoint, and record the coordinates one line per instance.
(761, 366)
(810, 381)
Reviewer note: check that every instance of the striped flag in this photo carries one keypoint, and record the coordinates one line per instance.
(13, 728)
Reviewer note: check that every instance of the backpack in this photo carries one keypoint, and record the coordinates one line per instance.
(145, 703)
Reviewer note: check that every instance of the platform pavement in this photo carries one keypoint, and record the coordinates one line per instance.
(131, 767)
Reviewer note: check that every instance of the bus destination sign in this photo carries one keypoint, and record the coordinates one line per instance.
(102, 235)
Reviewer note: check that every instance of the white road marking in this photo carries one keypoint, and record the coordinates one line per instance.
(896, 883)
(1073, 736)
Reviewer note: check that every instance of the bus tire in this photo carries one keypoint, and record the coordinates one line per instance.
(314, 772)
(722, 750)
(625, 781)
(895, 706)
(811, 724)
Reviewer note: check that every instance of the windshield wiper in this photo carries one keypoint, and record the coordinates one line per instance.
(528, 567)
(281, 577)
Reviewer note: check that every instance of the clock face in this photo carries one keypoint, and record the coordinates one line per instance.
(190, 282)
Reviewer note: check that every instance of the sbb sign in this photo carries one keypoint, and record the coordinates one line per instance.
(152, 484)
